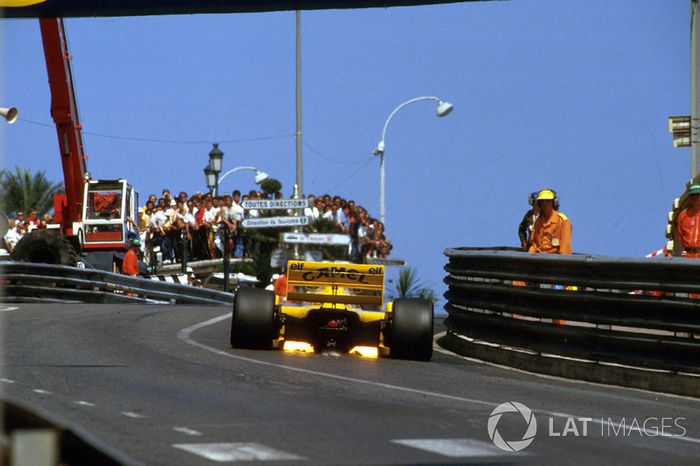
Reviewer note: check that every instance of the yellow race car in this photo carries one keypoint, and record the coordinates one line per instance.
(333, 307)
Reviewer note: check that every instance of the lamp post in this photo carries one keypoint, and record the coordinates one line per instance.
(216, 161)
(443, 109)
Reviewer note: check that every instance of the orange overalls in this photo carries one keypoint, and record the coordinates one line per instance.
(689, 232)
(130, 266)
(551, 235)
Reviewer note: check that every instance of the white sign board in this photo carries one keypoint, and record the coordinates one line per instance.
(387, 262)
(275, 222)
(276, 204)
(278, 258)
(316, 238)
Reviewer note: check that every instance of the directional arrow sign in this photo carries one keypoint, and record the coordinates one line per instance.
(275, 222)
(316, 238)
(276, 204)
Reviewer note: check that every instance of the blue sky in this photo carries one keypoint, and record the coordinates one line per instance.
(562, 94)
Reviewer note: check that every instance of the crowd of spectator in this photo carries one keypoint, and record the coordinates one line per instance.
(20, 226)
(203, 223)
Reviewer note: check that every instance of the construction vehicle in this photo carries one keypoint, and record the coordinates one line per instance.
(93, 218)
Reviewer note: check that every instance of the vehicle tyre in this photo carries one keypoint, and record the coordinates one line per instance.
(412, 329)
(45, 247)
(253, 321)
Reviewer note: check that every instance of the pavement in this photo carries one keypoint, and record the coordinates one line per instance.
(162, 385)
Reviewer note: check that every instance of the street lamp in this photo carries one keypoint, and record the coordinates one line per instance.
(210, 176)
(443, 109)
(10, 114)
(260, 176)
(216, 161)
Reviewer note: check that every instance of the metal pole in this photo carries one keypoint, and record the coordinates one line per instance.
(300, 166)
(694, 94)
(185, 247)
(215, 191)
(381, 187)
(227, 262)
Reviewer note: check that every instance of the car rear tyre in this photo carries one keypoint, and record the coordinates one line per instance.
(412, 329)
(253, 322)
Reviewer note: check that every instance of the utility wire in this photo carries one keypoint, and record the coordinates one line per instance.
(167, 141)
(334, 188)
(332, 160)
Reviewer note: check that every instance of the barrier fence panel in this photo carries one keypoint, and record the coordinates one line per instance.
(29, 282)
(611, 320)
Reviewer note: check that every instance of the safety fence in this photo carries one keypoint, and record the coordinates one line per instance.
(30, 282)
(31, 438)
(632, 322)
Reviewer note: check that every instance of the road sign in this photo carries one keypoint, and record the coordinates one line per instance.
(275, 222)
(264, 204)
(316, 238)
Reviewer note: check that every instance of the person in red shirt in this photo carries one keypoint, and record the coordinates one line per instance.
(130, 266)
(688, 224)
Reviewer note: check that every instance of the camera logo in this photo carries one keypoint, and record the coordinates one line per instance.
(512, 407)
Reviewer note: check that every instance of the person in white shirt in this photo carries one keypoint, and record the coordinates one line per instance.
(14, 234)
(312, 210)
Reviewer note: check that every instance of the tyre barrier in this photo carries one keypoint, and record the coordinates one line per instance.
(30, 282)
(618, 321)
(31, 438)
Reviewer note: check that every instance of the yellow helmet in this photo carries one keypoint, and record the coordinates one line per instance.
(546, 195)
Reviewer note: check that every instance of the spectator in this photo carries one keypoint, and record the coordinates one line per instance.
(688, 224)
(528, 222)
(33, 220)
(211, 219)
(14, 234)
(156, 225)
(552, 230)
(169, 201)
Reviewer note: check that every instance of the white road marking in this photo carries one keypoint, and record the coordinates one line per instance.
(84, 403)
(185, 333)
(225, 452)
(452, 447)
(42, 392)
(186, 431)
(8, 308)
(7, 381)
(133, 415)
(600, 422)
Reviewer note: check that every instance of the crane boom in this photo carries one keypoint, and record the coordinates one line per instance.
(64, 111)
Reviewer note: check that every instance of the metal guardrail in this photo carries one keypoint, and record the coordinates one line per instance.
(623, 321)
(30, 282)
(31, 438)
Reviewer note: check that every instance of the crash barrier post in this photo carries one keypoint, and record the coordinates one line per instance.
(630, 322)
(29, 282)
(31, 438)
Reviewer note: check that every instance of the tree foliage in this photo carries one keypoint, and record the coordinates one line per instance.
(20, 190)
(271, 186)
(409, 286)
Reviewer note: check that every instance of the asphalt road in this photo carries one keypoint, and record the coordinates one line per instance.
(162, 385)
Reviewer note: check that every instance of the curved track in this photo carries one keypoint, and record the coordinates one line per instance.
(161, 384)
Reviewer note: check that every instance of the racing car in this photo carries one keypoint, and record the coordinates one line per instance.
(333, 307)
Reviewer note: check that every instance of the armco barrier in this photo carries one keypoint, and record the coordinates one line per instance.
(66, 444)
(631, 322)
(29, 282)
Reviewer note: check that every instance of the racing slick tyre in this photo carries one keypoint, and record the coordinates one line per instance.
(412, 329)
(253, 322)
(46, 247)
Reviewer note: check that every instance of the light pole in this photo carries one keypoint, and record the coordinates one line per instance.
(443, 109)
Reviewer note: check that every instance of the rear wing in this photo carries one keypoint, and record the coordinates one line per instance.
(325, 282)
